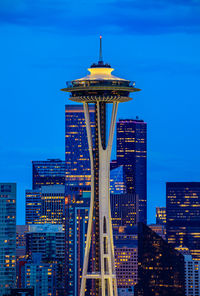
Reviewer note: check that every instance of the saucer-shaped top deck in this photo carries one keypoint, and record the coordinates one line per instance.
(100, 86)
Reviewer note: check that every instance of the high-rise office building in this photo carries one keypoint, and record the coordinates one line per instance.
(160, 229)
(21, 231)
(192, 276)
(123, 209)
(41, 276)
(52, 199)
(77, 213)
(48, 172)
(132, 154)
(161, 215)
(117, 181)
(160, 266)
(183, 215)
(126, 259)
(7, 237)
(48, 240)
(33, 206)
(76, 146)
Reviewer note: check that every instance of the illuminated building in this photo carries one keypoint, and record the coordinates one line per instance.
(77, 213)
(99, 88)
(33, 205)
(160, 229)
(76, 146)
(126, 262)
(46, 239)
(48, 172)
(192, 276)
(117, 181)
(160, 266)
(123, 209)
(40, 276)
(52, 199)
(21, 239)
(161, 215)
(7, 236)
(183, 215)
(132, 154)
(48, 242)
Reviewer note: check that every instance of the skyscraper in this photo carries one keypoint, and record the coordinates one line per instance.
(48, 172)
(100, 88)
(33, 206)
(192, 276)
(183, 215)
(52, 199)
(7, 236)
(117, 181)
(126, 259)
(123, 209)
(132, 155)
(160, 266)
(76, 146)
(77, 213)
(161, 215)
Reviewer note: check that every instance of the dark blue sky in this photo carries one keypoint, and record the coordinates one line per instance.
(44, 43)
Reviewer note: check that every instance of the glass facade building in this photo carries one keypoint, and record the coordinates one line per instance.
(132, 154)
(126, 259)
(77, 211)
(48, 172)
(183, 215)
(161, 215)
(192, 276)
(160, 266)
(123, 209)
(76, 146)
(117, 181)
(33, 205)
(7, 237)
(52, 200)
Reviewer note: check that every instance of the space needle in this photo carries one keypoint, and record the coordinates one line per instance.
(100, 87)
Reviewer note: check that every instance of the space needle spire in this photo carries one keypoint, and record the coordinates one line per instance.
(100, 88)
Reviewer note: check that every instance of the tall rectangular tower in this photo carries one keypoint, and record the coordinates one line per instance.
(160, 266)
(183, 215)
(7, 236)
(77, 157)
(132, 154)
(48, 172)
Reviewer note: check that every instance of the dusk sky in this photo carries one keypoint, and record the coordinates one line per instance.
(48, 42)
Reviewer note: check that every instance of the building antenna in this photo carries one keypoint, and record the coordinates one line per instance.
(100, 50)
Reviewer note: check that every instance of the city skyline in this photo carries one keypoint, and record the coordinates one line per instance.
(44, 53)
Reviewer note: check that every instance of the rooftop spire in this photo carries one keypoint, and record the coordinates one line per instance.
(100, 50)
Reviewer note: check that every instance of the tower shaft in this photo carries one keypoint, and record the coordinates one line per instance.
(106, 273)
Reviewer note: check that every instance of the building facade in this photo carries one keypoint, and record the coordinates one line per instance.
(33, 206)
(160, 229)
(52, 200)
(48, 172)
(183, 215)
(161, 215)
(132, 154)
(7, 237)
(117, 181)
(160, 266)
(123, 209)
(77, 212)
(76, 146)
(126, 259)
(192, 276)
